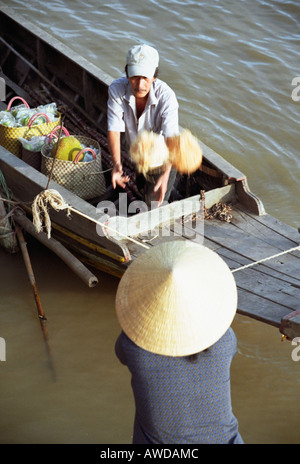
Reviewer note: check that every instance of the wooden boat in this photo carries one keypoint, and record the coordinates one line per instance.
(39, 68)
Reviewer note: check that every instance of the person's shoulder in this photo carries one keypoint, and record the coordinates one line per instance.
(163, 92)
(119, 85)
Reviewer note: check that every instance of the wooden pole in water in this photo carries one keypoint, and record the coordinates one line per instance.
(40, 310)
(7, 237)
(69, 259)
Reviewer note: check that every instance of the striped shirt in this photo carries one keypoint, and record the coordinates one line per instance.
(179, 401)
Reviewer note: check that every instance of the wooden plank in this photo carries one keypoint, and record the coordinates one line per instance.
(266, 228)
(263, 293)
(280, 227)
(235, 261)
(269, 288)
(221, 164)
(290, 325)
(166, 214)
(232, 238)
(248, 199)
(226, 194)
(259, 308)
(148, 220)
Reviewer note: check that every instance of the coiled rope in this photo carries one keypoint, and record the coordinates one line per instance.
(55, 200)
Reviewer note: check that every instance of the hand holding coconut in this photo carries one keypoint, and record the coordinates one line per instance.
(151, 151)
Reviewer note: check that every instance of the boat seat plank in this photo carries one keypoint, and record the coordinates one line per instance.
(193, 230)
(236, 261)
(259, 308)
(268, 287)
(273, 223)
(265, 228)
(252, 247)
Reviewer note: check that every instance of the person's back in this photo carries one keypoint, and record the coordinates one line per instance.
(182, 399)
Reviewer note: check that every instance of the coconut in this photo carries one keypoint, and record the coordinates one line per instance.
(149, 151)
(185, 153)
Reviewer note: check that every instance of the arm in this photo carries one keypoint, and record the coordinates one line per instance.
(114, 145)
(169, 127)
(162, 184)
(116, 125)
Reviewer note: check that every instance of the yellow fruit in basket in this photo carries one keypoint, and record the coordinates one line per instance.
(68, 149)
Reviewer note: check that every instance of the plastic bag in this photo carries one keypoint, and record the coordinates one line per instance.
(23, 116)
(7, 119)
(50, 110)
(20, 115)
(34, 144)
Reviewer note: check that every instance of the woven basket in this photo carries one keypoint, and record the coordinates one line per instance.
(85, 179)
(9, 135)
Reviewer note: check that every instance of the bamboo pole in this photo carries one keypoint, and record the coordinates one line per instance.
(55, 246)
(40, 310)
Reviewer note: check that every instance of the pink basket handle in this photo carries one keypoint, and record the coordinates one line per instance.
(17, 98)
(76, 160)
(35, 115)
(54, 130)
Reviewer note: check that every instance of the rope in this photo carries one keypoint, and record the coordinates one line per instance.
(55, 200)
(267, 259)
(39, 206)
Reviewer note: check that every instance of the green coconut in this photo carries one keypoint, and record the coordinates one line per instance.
(68, 148)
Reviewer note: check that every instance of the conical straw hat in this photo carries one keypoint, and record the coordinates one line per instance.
(177, 298)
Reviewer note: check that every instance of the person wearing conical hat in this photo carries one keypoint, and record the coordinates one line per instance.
(175, 304)
(141, 101)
